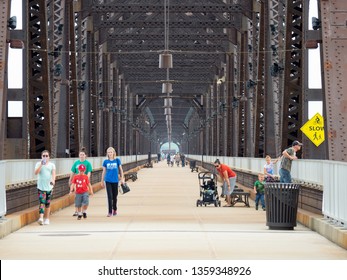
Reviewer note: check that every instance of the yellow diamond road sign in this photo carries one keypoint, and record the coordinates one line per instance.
(314, 129)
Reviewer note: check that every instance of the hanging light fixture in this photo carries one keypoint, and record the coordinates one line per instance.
(165, 59)
(166, 87)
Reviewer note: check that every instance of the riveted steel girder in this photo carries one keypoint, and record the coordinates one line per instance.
(333, 16)
(39, 98)
(293, 74)
(85, 95)
(5, 11)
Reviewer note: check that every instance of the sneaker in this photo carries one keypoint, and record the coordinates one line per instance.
(256, 207)
(114, 213)
(40, 221)
(109, 215)
(84, 215)
(264, 209)
(79, 217)
(46, 222)
(75, 214)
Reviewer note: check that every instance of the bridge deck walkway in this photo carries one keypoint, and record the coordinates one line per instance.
(159, 220)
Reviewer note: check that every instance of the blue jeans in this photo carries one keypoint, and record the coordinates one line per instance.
(285, 176)
(260, 196)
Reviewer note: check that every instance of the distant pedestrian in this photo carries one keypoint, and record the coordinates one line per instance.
(82, 187)
(288, 156)
(177, 159)
(168, 159)
(183, 160)
(172, 159)
(111, 171)
(74, 169)
(259, 190)
(229, 180)
(45, 171)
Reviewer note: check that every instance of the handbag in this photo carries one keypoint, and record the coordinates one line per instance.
(124, 188)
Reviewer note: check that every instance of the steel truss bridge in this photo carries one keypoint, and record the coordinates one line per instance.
(223, 78)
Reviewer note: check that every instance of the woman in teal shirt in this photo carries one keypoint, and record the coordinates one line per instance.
(45, 171)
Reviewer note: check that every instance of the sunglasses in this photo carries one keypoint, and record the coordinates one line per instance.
(45, 155)
(216, 166)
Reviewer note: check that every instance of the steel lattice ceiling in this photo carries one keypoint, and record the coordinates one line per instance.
(198, 42)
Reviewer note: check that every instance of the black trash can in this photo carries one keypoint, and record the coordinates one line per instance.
(281, 201)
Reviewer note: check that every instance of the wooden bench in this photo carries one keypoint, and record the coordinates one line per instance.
(240, 196)
(148, 165)
(130, 176)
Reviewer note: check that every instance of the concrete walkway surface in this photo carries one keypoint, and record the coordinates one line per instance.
(159, 220)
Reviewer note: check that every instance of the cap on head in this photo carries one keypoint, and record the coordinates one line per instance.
(296, 142)
(82, 167)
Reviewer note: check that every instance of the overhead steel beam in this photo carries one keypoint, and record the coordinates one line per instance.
(204, 7)
(157, 37)
(181, 46)
(159, 23)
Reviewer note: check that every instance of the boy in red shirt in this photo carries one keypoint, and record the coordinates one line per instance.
(81, 186)
(229, 180)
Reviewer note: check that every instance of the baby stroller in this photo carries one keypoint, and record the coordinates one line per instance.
(208, 190)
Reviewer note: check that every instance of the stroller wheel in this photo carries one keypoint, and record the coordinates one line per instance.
(197, 203)
(216, 203)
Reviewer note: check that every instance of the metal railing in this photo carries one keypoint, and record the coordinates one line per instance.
(2, 190)
(17, 175)
(18, 171)
(331, 176)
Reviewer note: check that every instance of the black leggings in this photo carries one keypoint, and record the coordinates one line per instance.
(112, 193)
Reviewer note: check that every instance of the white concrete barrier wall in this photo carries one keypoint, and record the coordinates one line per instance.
(18, 171)
(2, 189)
(332, 175)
